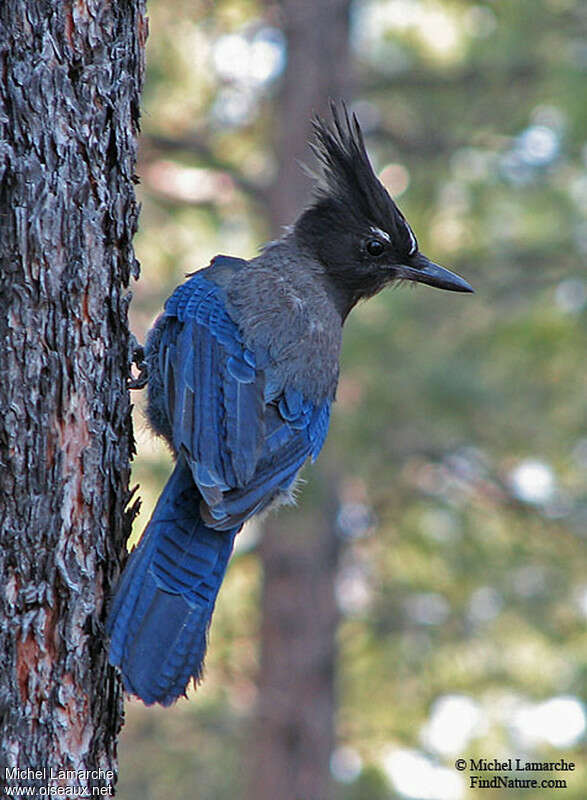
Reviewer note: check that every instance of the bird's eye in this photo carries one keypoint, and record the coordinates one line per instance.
(375, 247)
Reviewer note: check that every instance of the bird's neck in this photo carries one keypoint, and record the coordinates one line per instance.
(295, 263)
(342, 296)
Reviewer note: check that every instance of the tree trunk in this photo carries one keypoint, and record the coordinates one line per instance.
(317, 71)
(69, 115)
(293, 734)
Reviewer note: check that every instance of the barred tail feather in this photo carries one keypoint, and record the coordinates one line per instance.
(161, 613)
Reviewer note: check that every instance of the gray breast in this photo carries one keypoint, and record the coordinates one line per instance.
(286, 312)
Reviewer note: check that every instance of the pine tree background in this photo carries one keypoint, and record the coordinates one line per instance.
(458, 446)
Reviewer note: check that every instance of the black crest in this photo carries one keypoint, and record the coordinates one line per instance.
(346, 175)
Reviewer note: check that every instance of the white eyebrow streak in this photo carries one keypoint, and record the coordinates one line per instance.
(382, 234)
(414, 246)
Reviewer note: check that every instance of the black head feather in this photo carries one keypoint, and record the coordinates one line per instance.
(347, 177)
(354, 231)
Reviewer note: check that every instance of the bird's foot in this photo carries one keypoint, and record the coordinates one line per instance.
(136, 356)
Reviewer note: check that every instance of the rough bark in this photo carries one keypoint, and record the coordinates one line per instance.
(293, 734)
(69, 114)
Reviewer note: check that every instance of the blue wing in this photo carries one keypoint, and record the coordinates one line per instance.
(244, 445)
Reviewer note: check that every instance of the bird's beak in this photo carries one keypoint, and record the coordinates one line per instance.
(422, 270)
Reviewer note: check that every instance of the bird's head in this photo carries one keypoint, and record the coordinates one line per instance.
(352, 225)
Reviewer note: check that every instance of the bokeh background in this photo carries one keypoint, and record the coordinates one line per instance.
(427, 599)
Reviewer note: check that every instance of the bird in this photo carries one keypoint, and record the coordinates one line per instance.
(243, 366)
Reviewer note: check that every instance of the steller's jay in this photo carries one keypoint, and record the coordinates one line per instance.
(243, 366)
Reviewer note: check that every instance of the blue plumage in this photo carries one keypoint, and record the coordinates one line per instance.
(238, 451)
(243, 368)
(159, 621)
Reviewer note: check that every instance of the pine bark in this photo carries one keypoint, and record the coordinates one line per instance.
(69, 116)
(293, 733)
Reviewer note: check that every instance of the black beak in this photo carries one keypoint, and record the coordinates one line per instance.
(422, 270)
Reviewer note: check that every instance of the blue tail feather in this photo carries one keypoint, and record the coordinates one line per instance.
(160, 616)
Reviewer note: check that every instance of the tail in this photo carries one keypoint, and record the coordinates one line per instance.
(160, 616)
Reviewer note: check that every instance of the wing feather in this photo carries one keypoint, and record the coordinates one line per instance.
(244, 445)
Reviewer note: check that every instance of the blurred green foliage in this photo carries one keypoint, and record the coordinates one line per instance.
(459, 436)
